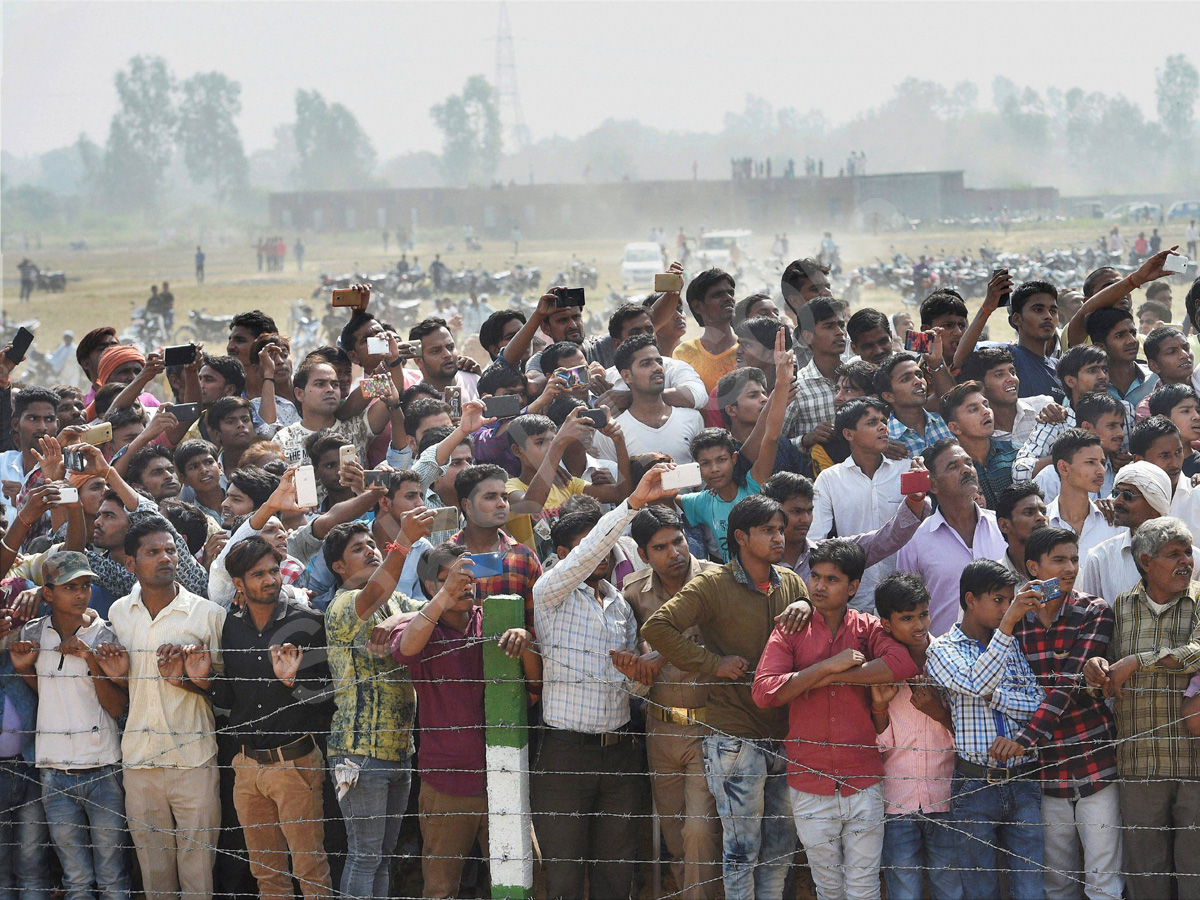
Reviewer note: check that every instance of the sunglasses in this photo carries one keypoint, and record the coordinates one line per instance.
(1126, 495)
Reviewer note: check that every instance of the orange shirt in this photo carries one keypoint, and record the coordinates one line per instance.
(709, 367)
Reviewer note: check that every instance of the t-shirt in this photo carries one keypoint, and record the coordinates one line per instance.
(710, 367)
(523, 527)
(356, 431)
(706, 508)
(673, 437)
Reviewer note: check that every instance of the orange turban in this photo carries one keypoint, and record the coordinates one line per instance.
(114, 358)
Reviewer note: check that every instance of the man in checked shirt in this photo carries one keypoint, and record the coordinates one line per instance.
(1074, 728)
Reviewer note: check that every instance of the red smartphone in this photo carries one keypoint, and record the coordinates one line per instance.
(914, 482)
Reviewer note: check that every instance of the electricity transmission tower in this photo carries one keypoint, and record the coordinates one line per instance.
(506, 83)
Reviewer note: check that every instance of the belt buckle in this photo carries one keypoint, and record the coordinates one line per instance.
(992, 778)
(610, 738)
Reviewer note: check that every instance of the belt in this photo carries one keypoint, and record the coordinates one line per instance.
(993, 774)
(87, 771)
(602, 739)
(677, 715)
(294, 750)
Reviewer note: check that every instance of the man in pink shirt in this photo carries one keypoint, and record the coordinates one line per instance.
(823, 672)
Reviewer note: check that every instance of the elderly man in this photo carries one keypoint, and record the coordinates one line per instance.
(1153, 653)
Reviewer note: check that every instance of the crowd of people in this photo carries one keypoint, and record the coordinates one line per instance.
(927, 613)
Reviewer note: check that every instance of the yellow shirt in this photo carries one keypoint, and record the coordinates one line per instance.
(709, 367)
(522, 527)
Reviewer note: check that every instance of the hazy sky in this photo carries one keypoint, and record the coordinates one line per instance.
(679, 65)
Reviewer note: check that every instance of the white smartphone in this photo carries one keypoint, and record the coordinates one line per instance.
(67, 495)
(682, 477)
(306, 487)
(377, 346)
(1175, 264)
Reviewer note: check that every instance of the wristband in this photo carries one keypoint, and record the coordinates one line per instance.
(397, 364)
(396, 547)
(879, 712)
(21, 519)
(392, 407)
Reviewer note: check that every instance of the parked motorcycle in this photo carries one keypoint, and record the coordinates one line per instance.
(204, 329)
(54, 282)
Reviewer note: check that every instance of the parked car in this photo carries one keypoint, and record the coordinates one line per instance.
(1184, 209)
(715, 246)
(640, 263)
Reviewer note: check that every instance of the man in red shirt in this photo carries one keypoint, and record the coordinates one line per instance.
(823, 673)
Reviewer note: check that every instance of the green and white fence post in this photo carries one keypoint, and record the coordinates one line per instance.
(506, 715)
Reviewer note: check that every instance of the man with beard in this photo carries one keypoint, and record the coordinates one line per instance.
(153, 470)
(438, 363)
(957, 534)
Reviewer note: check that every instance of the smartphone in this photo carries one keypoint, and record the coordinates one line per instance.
(346, 453)
(20, 345)
(914, 482)
(564, 297)
(376, 386)
(179, 355)
(1174, 263)
(67, 495)
(486, 564)
(682, 477)
(502, 407)
(1003, 297)
(577, 376)
(446, 519)
(453, 398)
(372, 477)
(1051, 590)
(377, 346)
(306, 487)
(917, 342)
(599, 417)
(410, 349)
(350, 297)
(185, 413)
(97, 434)
(74, 460)
(668, 283)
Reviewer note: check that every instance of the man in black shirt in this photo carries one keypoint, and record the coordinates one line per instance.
(275, 674)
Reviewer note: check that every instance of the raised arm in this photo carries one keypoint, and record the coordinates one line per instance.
(998, 285)
(1150, 270)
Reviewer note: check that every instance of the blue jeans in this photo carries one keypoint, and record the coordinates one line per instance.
(1005, 815)
(24, 861)
(86, 815)
(748, 781)
(916, 845)
(373, 810)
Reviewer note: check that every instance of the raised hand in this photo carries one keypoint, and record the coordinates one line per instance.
(285, 662)
(416, 524)
(50, 459)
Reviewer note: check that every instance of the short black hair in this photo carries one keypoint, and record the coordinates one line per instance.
(983, 360)
(1158, 310)
(1153, 289)
(1091, 284)
(245, 554)
(699, 287)
(527, 426)
(321, 442)
(1168, 396)
(650, 520)
(981, 576)
(942, 302)
(567, 529)
(552, 354)
(798, 273)
(142, 457)
(1046, 539)
(1070, 442)
(338, 539)
(816, 311)
(492, 329)
(255, 321)
(750, 512)
(188, 520)
(471, 477)
(859, 373)
(126, 415)
(224, 407)
(1078, 358)
(1012, 494)
(1090, 407)
(624, 355)
(743, 306)
(498, 376)
(1022, 295)
(143, 526)
(866, 320)
(1155, 339)
(707, 438)
(731, 385)
(419, 391)
(954, 398)
(1191, 300)
(900, 592)
(256, 483)
(621, 315)
(1101, 322)
(883, 375)
(436, 435)
(189, 450)
(433, 560)
(397, 479)
(421, 409)
(783, 486)
(847, 556)
(932, 452)
(762, 331)
(230, 368)
(29, 395)
(855, 411)
(1147, 431)
(426, 327)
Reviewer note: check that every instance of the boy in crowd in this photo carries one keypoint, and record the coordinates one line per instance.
(1180, 404)
(711, 299)
(834, 769)
(993, 694)
(823, 329)
(900, 384)
(913, 727)
(870, 336)
(203, 482)
(1104, 416)
(1020, 511)
(1015, 415)
(1170, 359)
(969, 417)
(1080, 462)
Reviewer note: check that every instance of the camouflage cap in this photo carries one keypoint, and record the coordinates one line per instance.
(65, 565)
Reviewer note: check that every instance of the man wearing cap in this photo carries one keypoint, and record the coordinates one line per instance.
(78, 743)
(1141, 491)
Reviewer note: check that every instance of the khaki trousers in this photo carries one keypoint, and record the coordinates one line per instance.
(449, 827)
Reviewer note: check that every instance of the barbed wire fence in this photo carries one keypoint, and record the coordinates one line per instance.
(520, 806)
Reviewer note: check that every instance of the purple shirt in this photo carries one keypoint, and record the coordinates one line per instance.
(448, 678)
(938, 554)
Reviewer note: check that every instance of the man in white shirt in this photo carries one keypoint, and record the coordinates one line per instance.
(1015, 416)
(1080, 462)
(650, 424)
(1103, 415)
(862, 493)
(78, 743)
(169, 746)
(438, 363)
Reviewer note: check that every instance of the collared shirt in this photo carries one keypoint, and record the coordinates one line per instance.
(1037, 374)
(879, 544)
(522, 569)
(1040, 442)
(1109, 570)
(935, 430)
(831, 739)
(938, 553)
(995, 473)
(918, 759)
(265, 713)
(376, 704)
(1028, 409)
(992, 691)
(1073, 728)
(576, 626)
(73, 730)
(167, 725)
(846, 501)
(673, 687)
(813, 405)
(1049, 482)
(1095, 527)
(1155, 743)
(1139, 389)
(12, 468)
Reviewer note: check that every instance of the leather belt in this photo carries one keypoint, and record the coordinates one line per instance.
(294, 750)
(993, 774)
(677, 715)
(87, 771)
(602, 739)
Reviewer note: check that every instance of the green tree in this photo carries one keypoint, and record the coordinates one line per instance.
(472, 136)
(141, 136)
(212, 147)
(332, 150)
